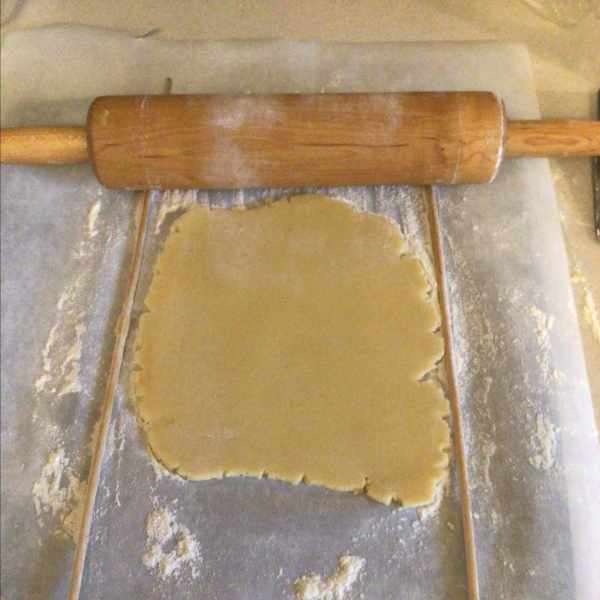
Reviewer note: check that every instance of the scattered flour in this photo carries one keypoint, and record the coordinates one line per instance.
(93, 217)
(71, 382)
(543, 324)
(591, 314)
(159, 470)
(543, 444)
(58, 492)
(111, 441)
(62, 352)
(312, 587)
(488, 448)
(67, 362)
(164, 532)
(564, 14)
(432, 509)
(91, 445)
(171, 201)
(44, 378)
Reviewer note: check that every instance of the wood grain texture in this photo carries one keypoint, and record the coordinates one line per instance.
(297, 140)
(121, 332)
(293, 140)
(552, 138)
(43, 145)
(454, 398)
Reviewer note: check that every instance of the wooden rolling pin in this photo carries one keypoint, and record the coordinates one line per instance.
(297, 140)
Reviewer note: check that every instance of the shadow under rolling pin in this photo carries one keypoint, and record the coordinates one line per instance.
(297, 140)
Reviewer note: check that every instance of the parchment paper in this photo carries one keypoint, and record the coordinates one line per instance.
(533, 453)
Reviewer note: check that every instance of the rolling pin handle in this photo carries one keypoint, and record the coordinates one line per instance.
(44, 145)
(547, 138)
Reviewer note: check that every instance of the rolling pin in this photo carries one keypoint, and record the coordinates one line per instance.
(297, 140)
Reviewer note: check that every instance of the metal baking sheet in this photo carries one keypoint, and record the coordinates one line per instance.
(533, 453)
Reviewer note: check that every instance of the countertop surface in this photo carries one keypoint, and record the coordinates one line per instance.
(563, 38)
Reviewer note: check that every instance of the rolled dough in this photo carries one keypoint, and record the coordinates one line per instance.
(292, 341)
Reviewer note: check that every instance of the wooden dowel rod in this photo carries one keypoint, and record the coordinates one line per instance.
(552, 138)
(122, 331)
(457, 422)
(44, 145)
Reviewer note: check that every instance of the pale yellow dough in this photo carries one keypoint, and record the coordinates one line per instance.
(290, 341)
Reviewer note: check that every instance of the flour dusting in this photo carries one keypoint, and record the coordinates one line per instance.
(591, 314)
(543, 444)
(488, 449)
(170, 201)
(62, 353)
(170, 547)
(44, 378)
(335, 587)
(93, 217)
(59, 492)
(71, 382)
(543, 324)
(432, 510)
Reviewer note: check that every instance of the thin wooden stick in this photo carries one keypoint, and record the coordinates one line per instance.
(461, 458)
(122, 331)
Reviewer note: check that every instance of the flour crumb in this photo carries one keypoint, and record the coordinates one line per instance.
(543, 444)
(93, 217)
(432, 509)
(543, 325)
(59, 493)
(159, 470)
(59, 363)
(72, 359)
(67, 367)
(312, 587)
(591, 314)
(163, 533)
(171, 201)
(74, 352)
(577, 276)
(48, 495)
(91, 445)
(72, 516)
(488, 449)
(71, 384)
(111, 441)
(43, 379)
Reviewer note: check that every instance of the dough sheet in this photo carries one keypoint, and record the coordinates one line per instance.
(294, 341)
